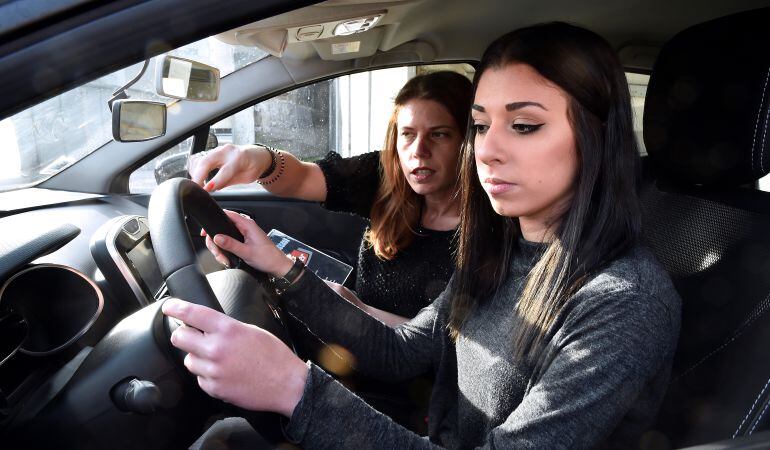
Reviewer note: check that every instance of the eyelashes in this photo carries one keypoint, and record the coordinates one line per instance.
(526, 128)
(433, 135)
(520, 128)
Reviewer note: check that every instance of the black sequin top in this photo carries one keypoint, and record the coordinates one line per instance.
(418, 273)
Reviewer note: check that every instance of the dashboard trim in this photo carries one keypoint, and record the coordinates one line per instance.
(84, 329)
(120, 263)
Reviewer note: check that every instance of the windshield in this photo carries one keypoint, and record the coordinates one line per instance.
(40, 141)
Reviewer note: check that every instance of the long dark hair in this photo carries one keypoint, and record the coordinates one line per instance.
(395, 213)
(602, 221)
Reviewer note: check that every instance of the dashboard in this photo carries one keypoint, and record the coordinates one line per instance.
(68, 274)
(81, 327)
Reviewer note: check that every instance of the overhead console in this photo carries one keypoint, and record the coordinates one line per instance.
(333, 30)
(123, 251)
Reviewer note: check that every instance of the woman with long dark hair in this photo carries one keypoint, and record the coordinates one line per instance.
(558, 328)
(408, 191)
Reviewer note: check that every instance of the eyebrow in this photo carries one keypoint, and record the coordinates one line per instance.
(511, 106)
(437, 127)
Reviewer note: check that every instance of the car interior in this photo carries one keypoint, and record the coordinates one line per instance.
(87, 256)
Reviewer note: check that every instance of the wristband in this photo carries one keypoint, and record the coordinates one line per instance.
(271, 168)
(281, 167)
(283, 283)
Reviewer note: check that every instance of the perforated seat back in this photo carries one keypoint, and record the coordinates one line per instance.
(719, 258)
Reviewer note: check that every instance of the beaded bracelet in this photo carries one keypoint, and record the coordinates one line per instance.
(269, 171)
(281, 168)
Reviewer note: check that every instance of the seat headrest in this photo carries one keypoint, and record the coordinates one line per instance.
(708, 102)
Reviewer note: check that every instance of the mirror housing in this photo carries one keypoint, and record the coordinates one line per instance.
(138, 120)
(186, 79)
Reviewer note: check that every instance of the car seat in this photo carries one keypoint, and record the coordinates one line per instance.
(706, 123)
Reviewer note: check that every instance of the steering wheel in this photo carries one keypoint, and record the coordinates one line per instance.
(241, 292)
(172, 203)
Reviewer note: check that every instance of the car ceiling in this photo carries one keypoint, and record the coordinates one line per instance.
(447, 24)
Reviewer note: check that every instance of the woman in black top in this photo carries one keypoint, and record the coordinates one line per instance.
(407, 191)
(417, 273)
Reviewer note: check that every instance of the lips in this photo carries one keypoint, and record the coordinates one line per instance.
(496, 186)
(422, 173)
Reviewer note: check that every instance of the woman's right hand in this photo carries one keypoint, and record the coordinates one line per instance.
(237, 164)
(237, 362)
(256, 250)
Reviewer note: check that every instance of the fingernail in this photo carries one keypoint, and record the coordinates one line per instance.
(219, 239)
(170, 305)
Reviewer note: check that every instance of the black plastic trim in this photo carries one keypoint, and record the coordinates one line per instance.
(32, 247)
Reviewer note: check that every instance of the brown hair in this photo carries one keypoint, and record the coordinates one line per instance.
(603, 219)
(395, 212)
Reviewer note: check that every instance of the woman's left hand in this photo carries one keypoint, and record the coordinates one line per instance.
(236, 362)
(256, 250)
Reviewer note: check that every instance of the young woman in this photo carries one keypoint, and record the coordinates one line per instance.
(408, 192)
(558, 328)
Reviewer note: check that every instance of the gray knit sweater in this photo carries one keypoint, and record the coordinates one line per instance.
(603, 372)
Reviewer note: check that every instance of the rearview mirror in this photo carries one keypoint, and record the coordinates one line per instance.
(138, 120)
(187, 79)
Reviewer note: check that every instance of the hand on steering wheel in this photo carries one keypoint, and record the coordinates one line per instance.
(239, 363)
(256, 250)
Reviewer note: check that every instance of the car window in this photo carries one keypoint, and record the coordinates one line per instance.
(348, 115)
(637, 86)
(169, 164)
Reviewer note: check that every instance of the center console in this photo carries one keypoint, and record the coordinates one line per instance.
(122, 249)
